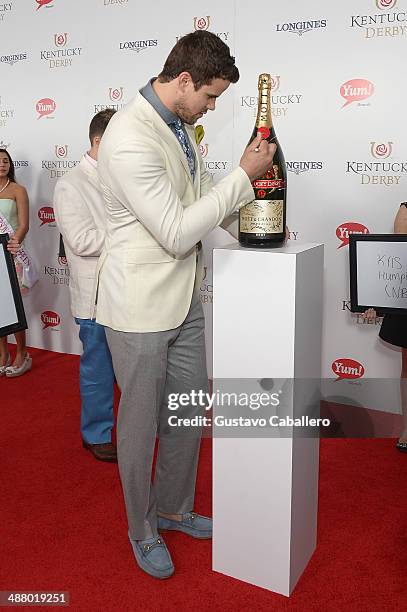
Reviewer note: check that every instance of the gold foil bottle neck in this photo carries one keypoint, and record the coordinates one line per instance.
(264, 81)
(264, 105)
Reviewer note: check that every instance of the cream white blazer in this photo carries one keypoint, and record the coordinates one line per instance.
(80, 216)
(156, 215)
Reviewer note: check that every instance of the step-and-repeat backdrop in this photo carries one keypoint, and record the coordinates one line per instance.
(339, 108)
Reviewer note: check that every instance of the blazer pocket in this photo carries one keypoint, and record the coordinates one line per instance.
(149, 255)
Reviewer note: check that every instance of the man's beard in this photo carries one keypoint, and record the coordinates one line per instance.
(183, 113)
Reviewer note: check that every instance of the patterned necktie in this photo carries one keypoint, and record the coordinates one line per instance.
(186, 147)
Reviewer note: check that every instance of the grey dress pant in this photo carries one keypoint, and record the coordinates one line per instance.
(148, 366)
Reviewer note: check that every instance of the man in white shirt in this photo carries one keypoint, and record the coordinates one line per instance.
(80, 216)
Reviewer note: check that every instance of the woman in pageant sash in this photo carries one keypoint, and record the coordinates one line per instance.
(14, 221)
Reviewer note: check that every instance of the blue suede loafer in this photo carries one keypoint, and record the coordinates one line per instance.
(153, 557)
(191, 523)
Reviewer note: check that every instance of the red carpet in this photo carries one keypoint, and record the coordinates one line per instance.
(63, 524)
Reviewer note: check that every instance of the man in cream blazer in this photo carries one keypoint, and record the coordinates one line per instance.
(80, 216)
(160, 203)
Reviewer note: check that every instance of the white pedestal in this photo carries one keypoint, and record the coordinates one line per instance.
(267, 320)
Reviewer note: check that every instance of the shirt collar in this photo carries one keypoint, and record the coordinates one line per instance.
(149, 94)
(91, 160)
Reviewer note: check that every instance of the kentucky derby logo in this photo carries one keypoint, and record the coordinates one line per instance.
(60, 40)
(61, 151)
(201, 23)
(275, 83)
(203, 149)
(382, 150)
(385, 4)
(62, 260)
(42, 3)
(3, 145)
(116, 94)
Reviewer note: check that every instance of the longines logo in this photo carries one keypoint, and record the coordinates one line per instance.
(115, 95)
(301, 27)
(18, 163)
(356, 90)
(58, 168)
(46, 3)
(5, 10)
(138, 45)
(203, 23)
(280, 103)
(45, 107)
(6, 114)
(115, 2)
(388, 22)
(61, 57)
(358, 317)
(298, 167)
(13, 58)
(378, 172)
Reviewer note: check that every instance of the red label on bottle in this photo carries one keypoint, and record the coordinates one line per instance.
(264, 131)
(269, 184)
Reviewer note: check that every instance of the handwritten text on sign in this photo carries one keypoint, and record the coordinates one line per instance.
(382, 274)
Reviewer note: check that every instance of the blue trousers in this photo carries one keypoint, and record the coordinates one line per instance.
(96, 383)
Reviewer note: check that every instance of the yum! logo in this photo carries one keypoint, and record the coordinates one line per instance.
(351, 227)
(356, 90)
(202, 23)
(381, 150)
(41, 3)
(50, 318)
(45, 106)
(46, 215)
(347, 369)
(384, 5)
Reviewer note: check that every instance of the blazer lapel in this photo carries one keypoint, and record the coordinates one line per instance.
(165, 132)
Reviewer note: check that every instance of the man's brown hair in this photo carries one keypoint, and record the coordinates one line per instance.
(204, 55)
(99, 123)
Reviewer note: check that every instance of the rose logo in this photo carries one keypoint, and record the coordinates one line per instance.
(385, 4)
(203, 149)
(201, 23)
(116, 94)
(61, 150)
(275, 83)
(60, 40)
(381, 150)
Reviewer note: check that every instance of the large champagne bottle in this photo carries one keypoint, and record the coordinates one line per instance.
(262, 222)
